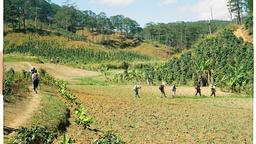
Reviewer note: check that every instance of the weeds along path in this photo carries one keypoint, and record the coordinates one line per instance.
(18, 114)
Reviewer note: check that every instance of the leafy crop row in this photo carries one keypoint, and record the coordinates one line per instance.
(53, 50)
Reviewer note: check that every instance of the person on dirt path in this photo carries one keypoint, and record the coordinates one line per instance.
(198, 89)
(35, 80)
(213, 90)
(161, 88)
(136, 90)
(173, 88)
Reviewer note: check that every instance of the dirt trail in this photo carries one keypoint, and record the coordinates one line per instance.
(58, 71)
(19, 113)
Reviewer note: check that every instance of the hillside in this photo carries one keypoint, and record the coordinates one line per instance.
(222, 59)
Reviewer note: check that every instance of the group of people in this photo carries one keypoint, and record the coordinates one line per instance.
(137, 88)
(198, 90)
(35, 78)
(162, 87)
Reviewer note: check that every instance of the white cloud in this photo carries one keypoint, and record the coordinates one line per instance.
(114, 2)
(202, 9)
(167, 2)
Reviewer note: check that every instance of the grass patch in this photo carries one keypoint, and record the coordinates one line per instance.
(21, 58)
(90, 81)
(8, 139)
(53, 113)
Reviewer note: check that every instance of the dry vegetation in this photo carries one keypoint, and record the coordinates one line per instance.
(244, 34)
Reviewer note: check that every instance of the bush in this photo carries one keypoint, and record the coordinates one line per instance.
(109, 138)
(82, 117)
(13, 83)
(34, 135)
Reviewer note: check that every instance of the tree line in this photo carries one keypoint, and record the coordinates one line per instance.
(17, 13)
(180, 34)
(238, 9)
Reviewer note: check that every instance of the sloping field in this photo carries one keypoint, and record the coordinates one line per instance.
(151, 119)
(153, 50)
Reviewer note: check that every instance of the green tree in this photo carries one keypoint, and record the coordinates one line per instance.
(237, 7)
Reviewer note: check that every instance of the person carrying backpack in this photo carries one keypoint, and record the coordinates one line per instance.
(136, 90)
(161, 88)
(35, 80)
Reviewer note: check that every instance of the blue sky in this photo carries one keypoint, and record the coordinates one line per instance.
(144, 11)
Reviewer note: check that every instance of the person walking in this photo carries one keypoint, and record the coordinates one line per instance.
(213, 90)
(35, 80)
(136, 90)
(198, 89)
(161, 88)
(173, 88)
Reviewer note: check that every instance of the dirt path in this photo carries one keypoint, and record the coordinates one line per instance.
(19, 113)
(58, 71)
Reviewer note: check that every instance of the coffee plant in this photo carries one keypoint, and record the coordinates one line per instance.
(34, 135)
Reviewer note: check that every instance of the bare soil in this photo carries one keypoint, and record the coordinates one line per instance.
(19, 113)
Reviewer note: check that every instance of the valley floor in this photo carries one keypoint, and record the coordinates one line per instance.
(151, 119)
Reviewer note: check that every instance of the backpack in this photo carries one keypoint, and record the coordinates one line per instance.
(161, 87)
(35, 77)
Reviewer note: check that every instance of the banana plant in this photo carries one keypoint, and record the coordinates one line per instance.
(235, 77)
(203, 72)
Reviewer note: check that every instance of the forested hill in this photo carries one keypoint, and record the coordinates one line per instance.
(181, 34)
(42, 16)
(25, 14)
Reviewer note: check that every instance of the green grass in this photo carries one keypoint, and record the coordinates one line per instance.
(91, 81)
(21, 58)
(8, 139)
(52, 114)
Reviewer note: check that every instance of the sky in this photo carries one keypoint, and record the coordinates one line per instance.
(157, 11)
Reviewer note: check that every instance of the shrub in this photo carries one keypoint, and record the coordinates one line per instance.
(82, 117)
(34, 135)
(109, 138)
